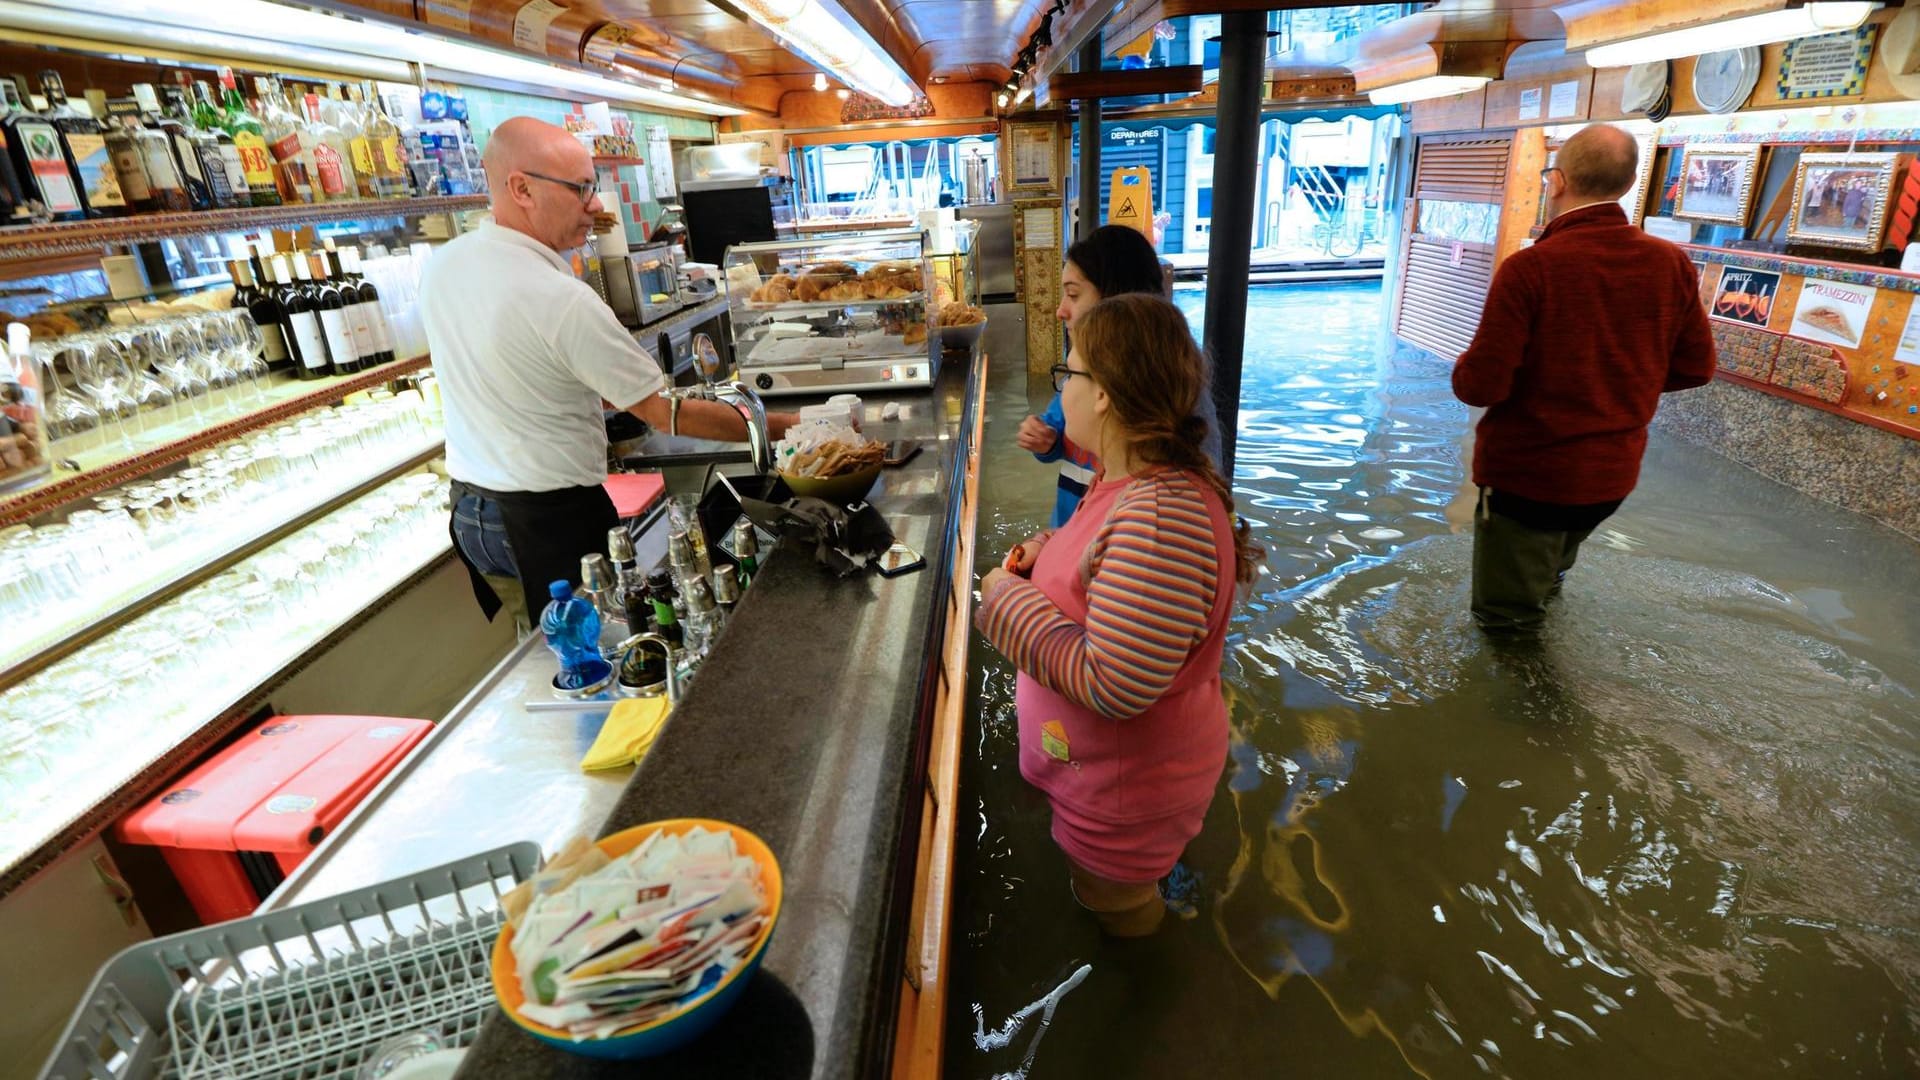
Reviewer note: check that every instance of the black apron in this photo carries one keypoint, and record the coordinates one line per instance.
(549, 532)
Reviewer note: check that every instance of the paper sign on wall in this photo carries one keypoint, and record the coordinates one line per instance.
(1833, 312)
(450, 14)
(1908, 351)
(531, 22)
(1563, 101)
(1530, 103)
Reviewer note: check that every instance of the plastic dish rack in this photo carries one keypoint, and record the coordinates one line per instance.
(306, 992)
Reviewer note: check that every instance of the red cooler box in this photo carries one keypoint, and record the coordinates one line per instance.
(233, 827)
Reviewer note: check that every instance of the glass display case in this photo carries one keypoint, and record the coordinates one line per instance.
(857, 311)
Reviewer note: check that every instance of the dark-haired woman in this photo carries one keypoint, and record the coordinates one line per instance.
(1113, 260)
(1117, 620)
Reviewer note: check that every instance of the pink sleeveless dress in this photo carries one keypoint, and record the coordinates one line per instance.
(1118, 638)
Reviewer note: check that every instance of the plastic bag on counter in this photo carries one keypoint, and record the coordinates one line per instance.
(844, 539)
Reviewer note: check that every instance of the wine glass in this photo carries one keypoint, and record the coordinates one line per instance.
(136, 347)
(248, 356)
(175, 347)
(72, 423)
(94, 362)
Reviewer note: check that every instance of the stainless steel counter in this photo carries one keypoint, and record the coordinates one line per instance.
(807, 725)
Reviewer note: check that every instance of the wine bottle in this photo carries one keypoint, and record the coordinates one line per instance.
(333, 318)
(260, 304)
(376, 314)
(307, 343)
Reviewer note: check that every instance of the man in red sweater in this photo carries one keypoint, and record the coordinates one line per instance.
(1581, 334)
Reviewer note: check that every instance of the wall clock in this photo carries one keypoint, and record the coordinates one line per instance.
(1722, 80)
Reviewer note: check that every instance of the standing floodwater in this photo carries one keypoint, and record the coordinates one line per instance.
(1680, 837)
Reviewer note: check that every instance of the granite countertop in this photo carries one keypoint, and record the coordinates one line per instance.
(807, 727)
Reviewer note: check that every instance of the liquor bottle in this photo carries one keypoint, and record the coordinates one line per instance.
(84, 141)
(346, 116)
(38, 166)
(13, 200)
(179, 135)
(333, 317)
(265, 310)
(210, 122)
(292, 172)
(164, 174)
(127, 162)
(660, 590)
(389, 156)
(249, 141)
(307, 343)
(332, 157)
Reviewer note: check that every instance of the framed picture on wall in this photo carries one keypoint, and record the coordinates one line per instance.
(1634, 202)
(1840, 200)
(1716, 182)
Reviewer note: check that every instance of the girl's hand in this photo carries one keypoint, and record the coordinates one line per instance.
(992, 581)
(1021, 559)
(1035, 436)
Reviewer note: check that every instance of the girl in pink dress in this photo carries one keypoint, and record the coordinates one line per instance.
(1117, 620)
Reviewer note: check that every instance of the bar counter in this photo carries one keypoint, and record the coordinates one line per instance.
(807, 725)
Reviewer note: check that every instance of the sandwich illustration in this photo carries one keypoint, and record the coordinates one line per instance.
(1828, 320)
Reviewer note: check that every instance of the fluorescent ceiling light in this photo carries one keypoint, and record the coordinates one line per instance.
(1750, 30)
(823, 35)
(263, 31)
(1433, 86)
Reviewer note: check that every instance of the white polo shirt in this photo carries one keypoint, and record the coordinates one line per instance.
(524, 352)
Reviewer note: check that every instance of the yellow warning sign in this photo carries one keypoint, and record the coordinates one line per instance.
(1130, 199)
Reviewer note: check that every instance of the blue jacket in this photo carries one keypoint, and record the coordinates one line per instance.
(1076, 464)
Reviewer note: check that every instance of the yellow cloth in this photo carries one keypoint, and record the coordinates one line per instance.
(632, 725)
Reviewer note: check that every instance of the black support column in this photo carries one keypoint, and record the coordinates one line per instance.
(1236, 164)
(1089, 163)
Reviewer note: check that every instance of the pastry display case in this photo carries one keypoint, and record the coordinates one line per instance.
(858, 311)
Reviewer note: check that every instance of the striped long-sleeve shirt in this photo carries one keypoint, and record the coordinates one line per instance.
(1151, 575)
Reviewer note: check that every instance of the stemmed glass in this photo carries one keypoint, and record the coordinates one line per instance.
(94, 361)
(136, 347)
(247, 354)
(69, 416)
(175, 347)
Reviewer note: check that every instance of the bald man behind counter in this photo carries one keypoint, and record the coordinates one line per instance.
(1581, 334)
(525, 353)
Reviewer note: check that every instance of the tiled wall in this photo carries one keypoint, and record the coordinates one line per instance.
(486, 109)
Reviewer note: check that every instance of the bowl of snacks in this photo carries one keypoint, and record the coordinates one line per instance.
(590, 969)
(832, 462)
(960, 325)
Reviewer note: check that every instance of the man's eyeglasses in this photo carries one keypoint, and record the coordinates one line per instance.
(584, 189)
(1548, 169)
(1062, 372)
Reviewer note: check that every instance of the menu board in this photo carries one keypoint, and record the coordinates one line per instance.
(1035, 153)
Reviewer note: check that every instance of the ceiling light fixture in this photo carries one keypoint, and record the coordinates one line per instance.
(819, 81)
(843, 93)
(1025, 93)
(1810, 20)
(1433, 86)
(268, 32)
(825, 35)
(1001, 99)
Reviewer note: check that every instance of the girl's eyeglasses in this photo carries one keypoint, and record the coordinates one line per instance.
(1062, 372)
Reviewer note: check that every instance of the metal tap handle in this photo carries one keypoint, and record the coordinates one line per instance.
(625, 648)
(754, 411)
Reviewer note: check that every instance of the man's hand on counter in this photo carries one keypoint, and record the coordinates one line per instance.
(707, 419)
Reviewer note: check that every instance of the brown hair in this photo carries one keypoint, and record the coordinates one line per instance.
(1141, 352)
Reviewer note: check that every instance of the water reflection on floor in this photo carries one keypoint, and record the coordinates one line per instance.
(1682, 837)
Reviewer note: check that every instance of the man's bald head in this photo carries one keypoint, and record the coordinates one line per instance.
(532, 167)
(522, 144)
(1600, 161)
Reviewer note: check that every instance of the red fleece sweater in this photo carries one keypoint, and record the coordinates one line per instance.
(1581, 334)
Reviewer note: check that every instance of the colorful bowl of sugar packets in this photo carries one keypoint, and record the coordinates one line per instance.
(637, 944)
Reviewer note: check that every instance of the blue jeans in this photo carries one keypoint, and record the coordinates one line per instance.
(482, 536)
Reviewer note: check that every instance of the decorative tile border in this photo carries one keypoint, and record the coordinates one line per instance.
(1875, 276)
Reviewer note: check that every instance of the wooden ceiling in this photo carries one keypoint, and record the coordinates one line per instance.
(709, 48)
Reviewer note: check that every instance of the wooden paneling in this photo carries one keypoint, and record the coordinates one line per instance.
(1078, 86)
(1461, 112)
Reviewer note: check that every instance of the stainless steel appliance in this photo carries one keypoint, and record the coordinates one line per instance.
(992, 248)
(653, 274)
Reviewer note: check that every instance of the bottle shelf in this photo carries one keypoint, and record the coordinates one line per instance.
(82, 237)
(173, 443)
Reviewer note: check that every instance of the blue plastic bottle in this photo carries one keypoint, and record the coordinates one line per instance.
(572, 628)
